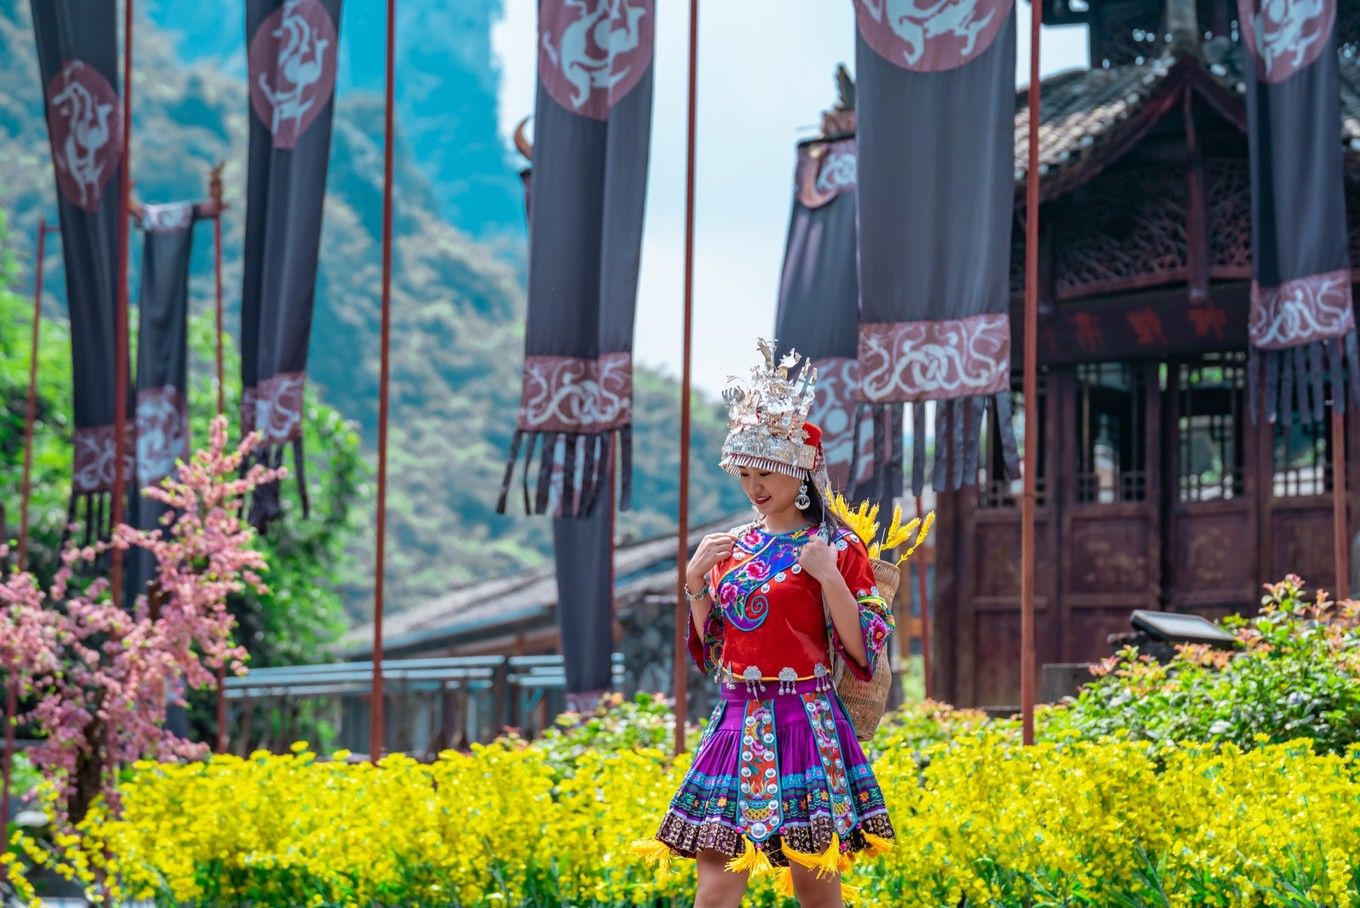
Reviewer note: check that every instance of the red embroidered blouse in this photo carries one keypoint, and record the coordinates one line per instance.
(767, 619)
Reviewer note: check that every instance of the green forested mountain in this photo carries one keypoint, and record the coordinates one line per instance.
(457, 318)
(448, 79)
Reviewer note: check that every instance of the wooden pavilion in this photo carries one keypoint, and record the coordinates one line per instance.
(1156, 490)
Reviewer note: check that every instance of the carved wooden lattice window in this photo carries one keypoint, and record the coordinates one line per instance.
(1124, 230)
(1111, 426)
(1302, 459)
(1210, 445)
(1229, 182)
(995, 488)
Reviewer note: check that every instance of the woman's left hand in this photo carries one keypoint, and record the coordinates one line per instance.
(818, 559)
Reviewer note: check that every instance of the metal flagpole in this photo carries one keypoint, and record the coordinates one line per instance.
(215, 193)
(120, 376)
(376, 731)
(682, 613)
(1340, 532)
(922, 593)
(1031, 382)
(31, 408)
(11, 710)
(30, 415)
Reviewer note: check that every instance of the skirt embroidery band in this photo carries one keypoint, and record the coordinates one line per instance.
(758, 772)
(778, 778)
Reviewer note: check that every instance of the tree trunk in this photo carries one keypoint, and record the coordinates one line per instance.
(89, 774)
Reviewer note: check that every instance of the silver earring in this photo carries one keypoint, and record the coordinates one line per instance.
(802, 502)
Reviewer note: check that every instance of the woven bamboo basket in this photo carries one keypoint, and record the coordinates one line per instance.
(865, 701)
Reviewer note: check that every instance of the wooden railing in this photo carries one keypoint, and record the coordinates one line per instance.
(431, 704)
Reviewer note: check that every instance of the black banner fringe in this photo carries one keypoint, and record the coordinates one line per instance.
(958, 442)
(918, 453)
(1298, 383)
(1005, 420)
(98, 522)
(586, 460)
(884, 482)
(266, 503)
(625, 468)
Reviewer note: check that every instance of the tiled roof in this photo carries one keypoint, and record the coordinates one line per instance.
(496, 601)
(1083, 110)
(1079, 109)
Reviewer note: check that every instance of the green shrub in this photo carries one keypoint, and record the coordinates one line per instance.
(1294, 674)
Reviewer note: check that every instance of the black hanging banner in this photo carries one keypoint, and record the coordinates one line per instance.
(818, 311)
(292, 47)
(78, 58)
(592, 134)
(936, 105)
(584, 553)
(1302, 324)
(162, 366)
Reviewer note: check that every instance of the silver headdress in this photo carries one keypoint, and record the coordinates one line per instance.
(767, 414)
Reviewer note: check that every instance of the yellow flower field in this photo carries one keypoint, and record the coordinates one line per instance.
(985, 820)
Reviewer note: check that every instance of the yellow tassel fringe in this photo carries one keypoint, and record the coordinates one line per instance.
(783, 887)
(658, 854)
(828, 863)
(878, 846)
(803, 860)
(753, 859)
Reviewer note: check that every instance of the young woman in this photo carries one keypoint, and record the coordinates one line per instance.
(779, 782)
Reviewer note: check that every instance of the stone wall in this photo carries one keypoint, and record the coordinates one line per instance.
(648, 644)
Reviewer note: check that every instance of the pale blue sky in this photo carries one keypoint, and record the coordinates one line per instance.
(765, 74)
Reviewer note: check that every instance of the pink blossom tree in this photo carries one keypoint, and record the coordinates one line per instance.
(99, 676)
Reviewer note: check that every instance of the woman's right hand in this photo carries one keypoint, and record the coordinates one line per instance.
(713, 548)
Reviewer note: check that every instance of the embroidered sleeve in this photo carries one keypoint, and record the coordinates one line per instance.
(875, 615)
(706, 648)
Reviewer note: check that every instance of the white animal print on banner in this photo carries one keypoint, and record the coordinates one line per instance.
(86, 131)
(172, 216)
(162, 433)
(592, 53)
(292, 68)
(930, 35)
(1287, 35)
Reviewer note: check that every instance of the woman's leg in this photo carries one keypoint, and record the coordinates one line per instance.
(814, 891)
(718, 886)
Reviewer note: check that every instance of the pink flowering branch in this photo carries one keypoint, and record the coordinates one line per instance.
(99, 677)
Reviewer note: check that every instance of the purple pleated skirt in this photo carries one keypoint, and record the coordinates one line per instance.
(778, 766)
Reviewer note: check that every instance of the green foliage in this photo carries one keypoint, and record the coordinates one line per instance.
(50, 483)
(646, 721)
(915, 727)
(302, 614)
(1295, 674)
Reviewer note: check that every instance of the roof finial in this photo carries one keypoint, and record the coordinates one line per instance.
(840, 120)
(845, 88)
(1182, 26)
